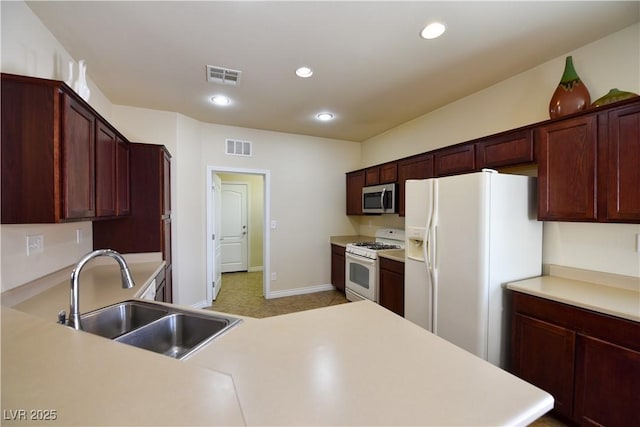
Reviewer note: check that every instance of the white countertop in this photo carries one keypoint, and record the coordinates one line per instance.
(89, 380)
(360, 364)
(610, 298)
(351, 364)
(100, 285)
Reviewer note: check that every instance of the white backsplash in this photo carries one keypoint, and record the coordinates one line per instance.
(369, 224)
(61, 249)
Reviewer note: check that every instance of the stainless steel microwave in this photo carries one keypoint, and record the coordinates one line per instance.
(379, 199)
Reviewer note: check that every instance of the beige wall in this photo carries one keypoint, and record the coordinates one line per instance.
(307, 193)
(307, 173)
(613, 61)
(28, 48)
(255, 185)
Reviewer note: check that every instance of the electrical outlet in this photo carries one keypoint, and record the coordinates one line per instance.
(274, 276)
(274, 224)
(35, 244)
(79, 236)
(638, 242)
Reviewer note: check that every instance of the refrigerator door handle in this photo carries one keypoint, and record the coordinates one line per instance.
(433, 274)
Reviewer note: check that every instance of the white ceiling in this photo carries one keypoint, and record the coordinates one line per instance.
(371, 67)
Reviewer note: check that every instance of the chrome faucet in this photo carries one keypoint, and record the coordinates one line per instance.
(127, 282)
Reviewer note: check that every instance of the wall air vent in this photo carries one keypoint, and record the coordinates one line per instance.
(238, 148)
(223, 76)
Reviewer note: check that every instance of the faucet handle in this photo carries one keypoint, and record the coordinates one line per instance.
(62, 317)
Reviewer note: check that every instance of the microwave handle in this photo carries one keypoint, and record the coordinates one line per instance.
(384, 190)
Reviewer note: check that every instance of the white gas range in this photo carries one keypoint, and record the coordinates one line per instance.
(362, 265)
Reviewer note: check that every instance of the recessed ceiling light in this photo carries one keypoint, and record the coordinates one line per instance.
(304, 72)
(324, 117)
(432, 31)
(220, 100)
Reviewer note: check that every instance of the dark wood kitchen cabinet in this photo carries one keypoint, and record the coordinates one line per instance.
(588, 167)
(513, 148)
(123, 178)
(623, 165)
(588, 361)
(567, 169)
(338, 267)
(148, 228)
(453, 160)
(391, 285)
(355, 183)
(382, 174)
(415, 167)
(58, 155)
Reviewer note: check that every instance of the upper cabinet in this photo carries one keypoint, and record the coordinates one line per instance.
(623, 165)
(416, 167)
(587, 164)
(512, 148)
(383, 174)
(567, 169)
(355, 183)
(588, 167)
(454, 160)
(61, 161)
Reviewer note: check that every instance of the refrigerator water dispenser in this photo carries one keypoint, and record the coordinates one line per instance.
(415, 243)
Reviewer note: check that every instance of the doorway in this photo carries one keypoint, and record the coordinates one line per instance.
(215, 215)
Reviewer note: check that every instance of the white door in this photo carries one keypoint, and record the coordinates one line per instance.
(234, 228)
(216, 189)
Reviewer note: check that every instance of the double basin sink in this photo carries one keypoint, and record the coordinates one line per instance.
(162, 329)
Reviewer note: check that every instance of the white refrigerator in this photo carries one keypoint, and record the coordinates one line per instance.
(466, 237)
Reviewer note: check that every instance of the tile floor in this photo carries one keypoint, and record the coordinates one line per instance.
(241, 294)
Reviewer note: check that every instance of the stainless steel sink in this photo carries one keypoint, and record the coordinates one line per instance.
(155, 327)
(176, 335)
(115, 320)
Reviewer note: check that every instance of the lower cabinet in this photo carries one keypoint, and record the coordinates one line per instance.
(337, 266)
(589, 362)
(391, 285)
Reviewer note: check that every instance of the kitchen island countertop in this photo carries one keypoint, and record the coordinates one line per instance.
(350, 364)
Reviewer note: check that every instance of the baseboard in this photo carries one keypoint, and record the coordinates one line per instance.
(254, 269)
(201, 304)
(300, 291)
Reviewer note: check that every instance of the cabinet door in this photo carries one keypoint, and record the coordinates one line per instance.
(567, 170)
(123, 178)
(166, 240)
(388, 173)
(166, 183)
(355, 182)
(168, 288)
(372, 176)
(506, 150)
(78, 161)
(392, 285)
(543, 354)
(337, 267)
(418, 167)
(607, 383)
(623, 180)
(458, 159)
(106, 188)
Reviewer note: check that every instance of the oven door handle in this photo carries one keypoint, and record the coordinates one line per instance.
(363, 260)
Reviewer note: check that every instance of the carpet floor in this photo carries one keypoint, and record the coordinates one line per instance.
(241, 294)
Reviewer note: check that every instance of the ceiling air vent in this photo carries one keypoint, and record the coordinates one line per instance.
(223, 76)
(238, 148)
